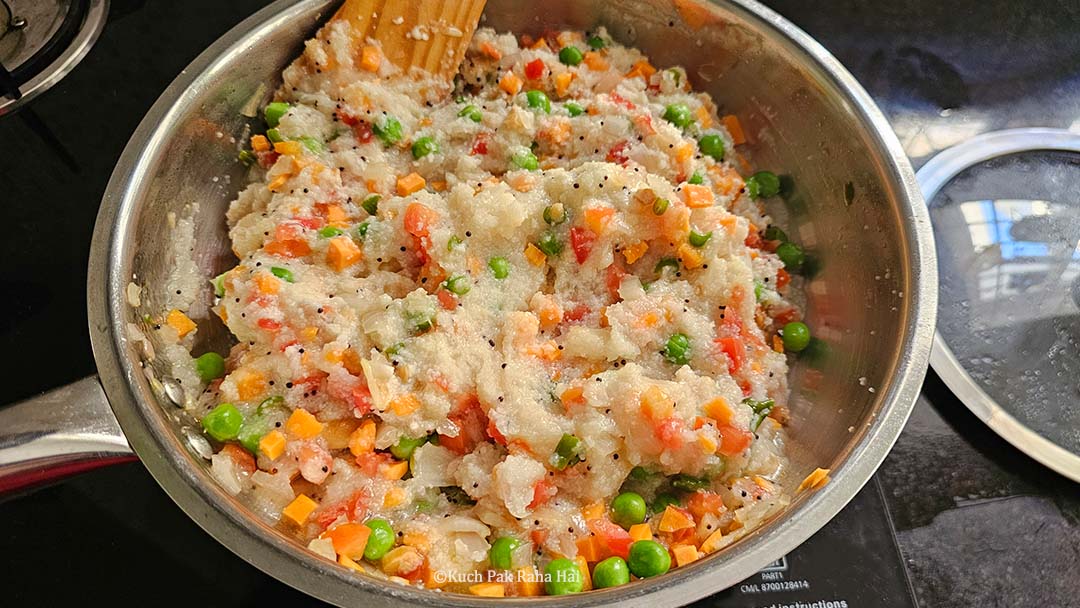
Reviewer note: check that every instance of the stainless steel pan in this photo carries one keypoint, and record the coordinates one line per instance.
(853, 203)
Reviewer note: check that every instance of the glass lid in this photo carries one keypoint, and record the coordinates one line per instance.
(1005, 209)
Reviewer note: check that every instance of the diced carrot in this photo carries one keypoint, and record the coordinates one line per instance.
(734, 127)
(289, 148)
(370, 58)
(303, 424)
(511, 83)
(396, 470)
(684, 554)
(641, 532)
(402, 561)
(404, 405)
(550, 315)
(259, 143)
(690, 257)
(278, 183)
(394, 497)
(674, 519)
(419, 219)
(562, 83)
(572, 396)
(272, 444)
(593, 511)
(180, 322)
(718, 409)
(300, 509)
(529, 582)
(419, 540)
(595, 61)
(702, 503)
(488, 589)
(712, 543)
(697, 196)
(778, 344)
(633, 253)
(684, 153)
(814, 480)
(267, 283)
(335, 215)
(490, 50)
(342, 252)
(586, 578)
(349, 563)
(598, 218)
(438, 186)
(249, 384)
(733, 440)
(589, 548)
(641, 68)
(704, 118)
(362, 440)
(410, 183)
(349, 539)
(534, 255)
(655, 404)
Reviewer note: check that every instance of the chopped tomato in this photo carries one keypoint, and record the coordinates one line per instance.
(782, 278)
(787, 316)
(288, 241)
(701, 502)
(369, 462)
(669, 432)
(267, 159)
(242, 459)
(314, 223)
(542, 492)
(538, 536)
(576, 313)
(349, 119)
(419, 218)
(360, 398)
(733, 440)
(312, 382)
(735, 351)
(534, 69)
(447, 299)
(582, 241)
(363, 132)
(328, 515)
(356, 506)
(614, 278)
(643, 122)
(480, 145)
(753, 238)
(611, 536)
(269, 324)
(617, 153)
(622, 101)
(493, 432)
(472, 425)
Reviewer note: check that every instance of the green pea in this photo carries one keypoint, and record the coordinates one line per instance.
(574, 109)
(404, 448)
(628, 509)
(666, 263)
(424, 146)
(247, 157)
(677, 350)
(500, 267)
(223, 422)
(453, 242)
(471, 112)
(380, 540)
(571, 55)
(663, 501)
(538, 100)
(371, 204)
(612, 572)
(389, 130)
(311, 143)
(329, 232)
(679, 115)
(648, 558)
(796, 336)
(639, 473)
(219, 284)
(563, 577)
(773, 233)
(274, 136)
(457, 284)
(362, 230)
(696, 179)
(596, 43)
(550, 244)
(567, 452)
(525, 159)
(791, 255)
(712, 145)
(555, 214)
(501, 553)
(660, 206)
(283, 273)
(274, 112)
(763, 184)
(210, 366)
(698, 239)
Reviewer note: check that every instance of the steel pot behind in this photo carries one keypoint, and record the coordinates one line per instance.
(851, 200)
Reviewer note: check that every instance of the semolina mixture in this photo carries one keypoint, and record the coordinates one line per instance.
(526, 339)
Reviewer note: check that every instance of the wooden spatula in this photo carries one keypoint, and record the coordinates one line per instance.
(431, 35)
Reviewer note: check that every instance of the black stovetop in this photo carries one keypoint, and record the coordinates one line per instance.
(978, 523)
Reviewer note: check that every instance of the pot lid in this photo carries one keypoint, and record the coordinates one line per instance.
(1005, 209)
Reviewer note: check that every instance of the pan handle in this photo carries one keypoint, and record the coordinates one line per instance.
(59, 433)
